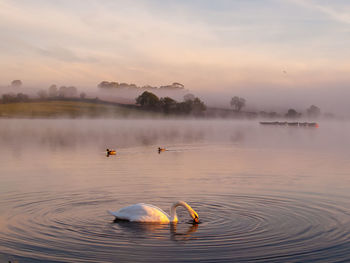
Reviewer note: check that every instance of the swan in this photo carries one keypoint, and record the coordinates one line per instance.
(152, 214)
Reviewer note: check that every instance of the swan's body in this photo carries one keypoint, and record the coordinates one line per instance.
(152, 214)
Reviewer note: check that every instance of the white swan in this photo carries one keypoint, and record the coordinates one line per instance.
(152, 214)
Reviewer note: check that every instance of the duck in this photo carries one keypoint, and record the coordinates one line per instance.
(111, 152)
(161, 149)
(147, 213)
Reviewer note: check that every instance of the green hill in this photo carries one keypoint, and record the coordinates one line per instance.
(66, 109)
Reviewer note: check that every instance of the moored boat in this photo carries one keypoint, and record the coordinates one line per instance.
(297, 124)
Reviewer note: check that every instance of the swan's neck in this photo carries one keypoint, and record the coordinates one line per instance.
(173, 215)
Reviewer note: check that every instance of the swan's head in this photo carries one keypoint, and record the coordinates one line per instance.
(195, 217)
(190, 210)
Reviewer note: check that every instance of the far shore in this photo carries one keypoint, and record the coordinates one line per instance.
(96, 108)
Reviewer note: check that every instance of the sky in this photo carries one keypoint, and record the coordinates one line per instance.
(227, 46)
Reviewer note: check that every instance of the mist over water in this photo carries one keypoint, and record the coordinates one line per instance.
(99, 133)
(280, 99)
(276, 194)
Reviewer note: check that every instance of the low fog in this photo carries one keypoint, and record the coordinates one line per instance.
(18, 135)
(330, 100)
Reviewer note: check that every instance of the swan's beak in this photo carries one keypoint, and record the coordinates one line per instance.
(196, 219)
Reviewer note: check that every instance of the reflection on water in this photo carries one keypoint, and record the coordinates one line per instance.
(181, 235)
(177, 232)
(262, 194)
(141, 229)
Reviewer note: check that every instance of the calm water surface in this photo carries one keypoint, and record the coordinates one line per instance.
(265, 194)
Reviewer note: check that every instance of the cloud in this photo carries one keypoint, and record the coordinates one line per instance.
(65, 54)
(340, 14)
(198, 43)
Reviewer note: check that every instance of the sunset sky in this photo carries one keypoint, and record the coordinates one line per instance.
(206, 45)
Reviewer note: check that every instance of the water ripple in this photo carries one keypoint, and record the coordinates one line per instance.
(76, 228)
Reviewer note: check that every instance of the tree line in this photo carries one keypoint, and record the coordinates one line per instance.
(149, 101)
(237, 103)
(113, 85)
(60, 92)
(52, 92)
(191, 104)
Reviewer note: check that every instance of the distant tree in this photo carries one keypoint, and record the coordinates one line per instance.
(174, 86)
(189, 96)
(82, 95)
(184, 107)
(198, 106)
(8, 97)
(103, 84)
(132, 86)
(313, 111)
(115, 85)
(67, 92)
(195, 106)
(12, 97)
(22, 97)
(53, 91)
(62, 91)
(167, 104)
(292, 113)
(237, 103)
(178, 85)
(148, 100)
(42, 94)
(111, 85)
(108, 85)
(71, 91)
(16, 83)
(122, 85)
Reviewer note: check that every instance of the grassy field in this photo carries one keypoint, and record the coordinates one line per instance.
(66, 109)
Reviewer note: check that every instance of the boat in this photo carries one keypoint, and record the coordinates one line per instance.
(295, 124)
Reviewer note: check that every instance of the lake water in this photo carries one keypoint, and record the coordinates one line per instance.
(263, 194)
